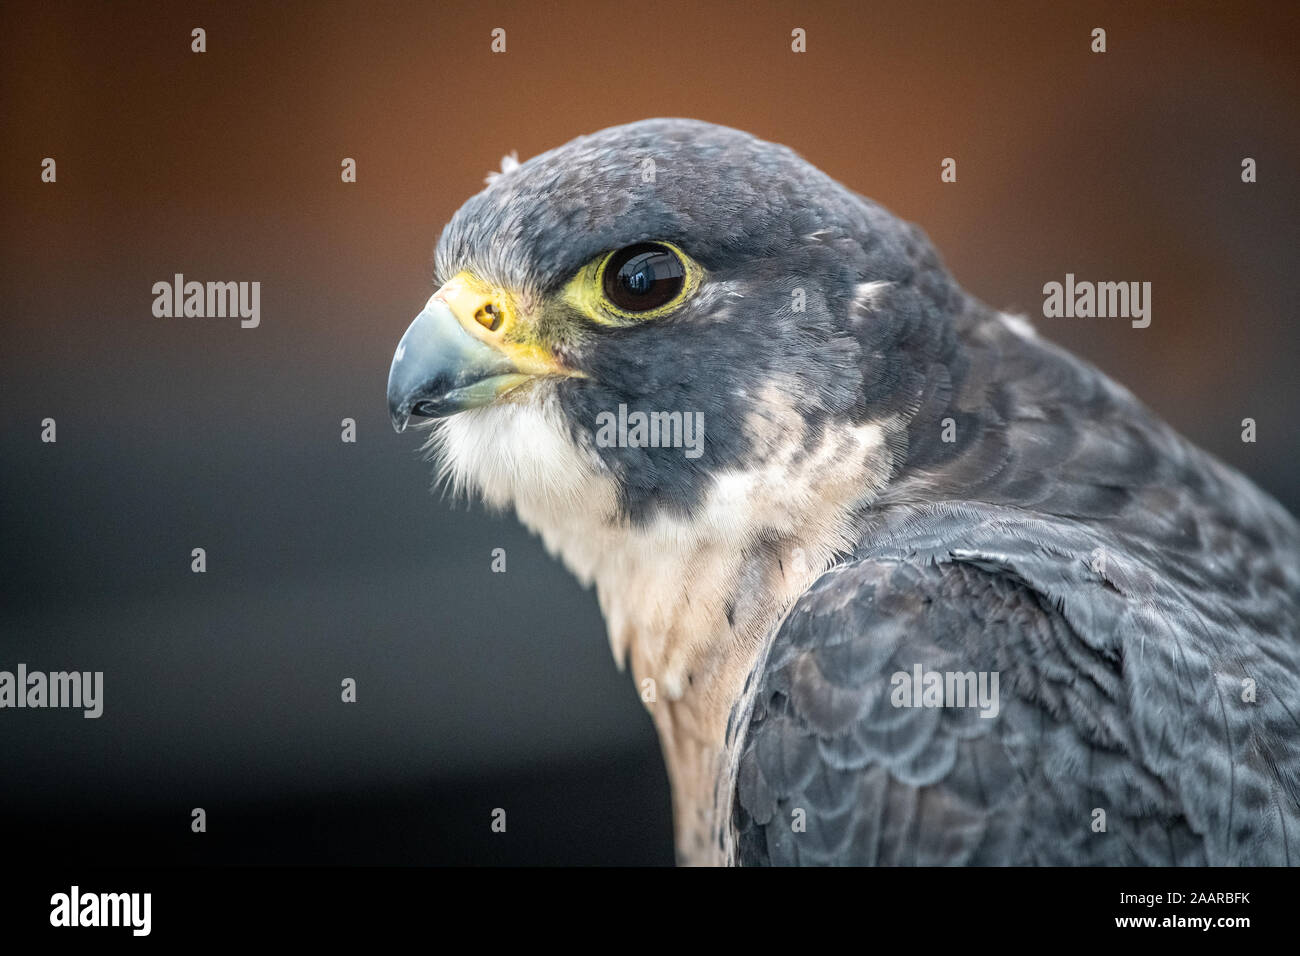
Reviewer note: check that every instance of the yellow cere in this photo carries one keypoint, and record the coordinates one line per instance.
(489, 313)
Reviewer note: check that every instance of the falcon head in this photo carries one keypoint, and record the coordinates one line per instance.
(672, 268)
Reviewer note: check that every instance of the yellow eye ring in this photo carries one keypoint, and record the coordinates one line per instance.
(658, 274)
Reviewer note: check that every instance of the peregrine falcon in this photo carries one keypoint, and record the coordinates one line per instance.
(928, 589)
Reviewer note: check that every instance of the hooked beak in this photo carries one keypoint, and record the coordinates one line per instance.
(441, 367)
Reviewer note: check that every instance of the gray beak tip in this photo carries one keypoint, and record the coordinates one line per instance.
(440, 369)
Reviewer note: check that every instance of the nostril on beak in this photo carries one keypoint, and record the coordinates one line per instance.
(489, 316)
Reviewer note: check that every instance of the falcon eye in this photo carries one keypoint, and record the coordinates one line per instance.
(643, 277)
(628, 286)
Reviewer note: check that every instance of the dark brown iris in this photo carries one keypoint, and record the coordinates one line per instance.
(643, 277)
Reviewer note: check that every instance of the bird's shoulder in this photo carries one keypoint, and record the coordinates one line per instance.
(847, 758)
(1112, 706)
